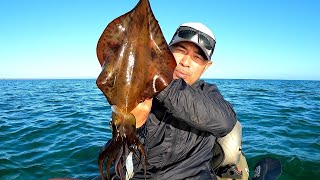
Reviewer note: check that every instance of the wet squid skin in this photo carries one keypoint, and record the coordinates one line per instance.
(136, 64)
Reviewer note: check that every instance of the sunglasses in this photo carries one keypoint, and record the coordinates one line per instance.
(203, 39)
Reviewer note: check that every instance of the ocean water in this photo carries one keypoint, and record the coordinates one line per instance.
(55, 128)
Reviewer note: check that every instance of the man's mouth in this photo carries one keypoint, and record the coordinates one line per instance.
(181, 73)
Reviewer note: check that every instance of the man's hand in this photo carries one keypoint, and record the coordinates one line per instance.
(141, 112)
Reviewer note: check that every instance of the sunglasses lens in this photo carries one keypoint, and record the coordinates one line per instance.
(186, 34)
(205, 42)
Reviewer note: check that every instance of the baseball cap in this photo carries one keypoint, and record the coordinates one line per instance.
(197, 33)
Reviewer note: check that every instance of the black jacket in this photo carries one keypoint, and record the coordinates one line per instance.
(181, 130)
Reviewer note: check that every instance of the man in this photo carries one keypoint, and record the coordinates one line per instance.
(180, 125)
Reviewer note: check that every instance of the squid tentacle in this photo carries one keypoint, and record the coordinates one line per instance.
(118, 163)
(109, 151)
(103, 154)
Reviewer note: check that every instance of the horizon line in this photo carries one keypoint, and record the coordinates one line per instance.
(87, 78)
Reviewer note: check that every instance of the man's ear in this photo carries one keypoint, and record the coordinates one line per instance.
(209, 63)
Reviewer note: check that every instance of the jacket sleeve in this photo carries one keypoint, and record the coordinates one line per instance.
(202, 107)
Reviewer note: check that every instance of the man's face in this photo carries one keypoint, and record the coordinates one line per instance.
(191, 62)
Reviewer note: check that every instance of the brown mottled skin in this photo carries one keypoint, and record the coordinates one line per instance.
(137, 64)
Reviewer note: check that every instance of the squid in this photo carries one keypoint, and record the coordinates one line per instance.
(137, 64)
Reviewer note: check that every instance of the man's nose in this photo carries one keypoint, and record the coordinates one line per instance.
(185, 61)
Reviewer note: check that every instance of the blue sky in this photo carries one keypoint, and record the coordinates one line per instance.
(265, 39)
